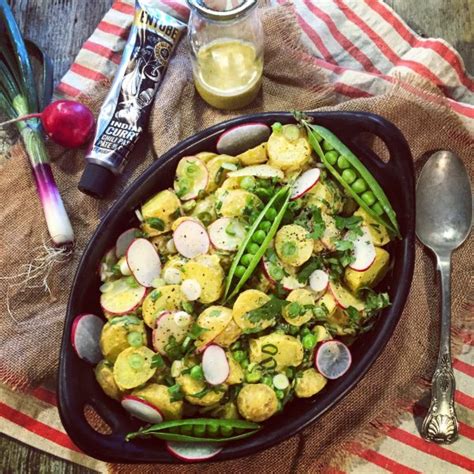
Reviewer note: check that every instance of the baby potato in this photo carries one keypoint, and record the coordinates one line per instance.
(236, 374)
(340, 324)
(231, 183)
(292, 245)
(302, 297)
(309, 384)
(205, 210)
(217, 173)
(378, 232)
(331, 233)
(235, 201)
(245, 302)
(229, 335)
(206, 269)
(105, 378)
(257, 402)
(206, 156)
(254, 156)
(356, 280)
(158, 395)
(288, 149)
(326, 196)
(133, 367)
(289, 350)
(214, 319)
(117, 334)
(164, 206)
(327, 301)
(165, 298)
(191, 386)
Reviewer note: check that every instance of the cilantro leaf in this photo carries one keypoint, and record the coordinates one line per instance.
(268, 311)
(155, 223)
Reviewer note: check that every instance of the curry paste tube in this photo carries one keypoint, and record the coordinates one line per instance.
(126, 109)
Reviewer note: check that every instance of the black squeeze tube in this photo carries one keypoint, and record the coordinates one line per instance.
(125, 111)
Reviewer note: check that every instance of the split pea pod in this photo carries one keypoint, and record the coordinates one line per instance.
(353, 176)
(256, 242)
(199, 430)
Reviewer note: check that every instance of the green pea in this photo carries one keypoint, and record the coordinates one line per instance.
(294, 330)
(197, 373)
(248, 183)
(342, 163)
(359, 186)
(280, 394)
(267, 380)
(187, 430)
(309, 341)
(253, 376)
(265, 226)
(378, 209)
(259, 236)
(244, 364)
(331, 156)
(253, 248)
(226, 431)
(239, 356)
(368, 197)
(327, 146)
(239, 271)
(305, 331)
(246, 259)
(213, 430)
(199, 431)
(135, 339)
(349, 176)
(271, 214)
(263, 193)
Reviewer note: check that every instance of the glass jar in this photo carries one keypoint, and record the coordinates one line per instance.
(226, 41)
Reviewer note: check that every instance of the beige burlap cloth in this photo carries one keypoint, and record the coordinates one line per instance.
(31, 319)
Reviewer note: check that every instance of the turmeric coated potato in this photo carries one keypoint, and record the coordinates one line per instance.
(133, 367)
(217, 173)
(288, 148)
(309, 383)
(236, 374)
(158, 395)
(164, 298)
(295, 314)
(213, 320)
(234, 202)
(247, 301)
(229, 335)
(105, 378)
(191, 386)
(377, 231)
(292, 245)
(164, 206)
(254, 156)
(287, 351)
(257, 402)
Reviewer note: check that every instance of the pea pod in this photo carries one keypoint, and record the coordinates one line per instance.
(356, 165)
(261, 248)
(208, 430)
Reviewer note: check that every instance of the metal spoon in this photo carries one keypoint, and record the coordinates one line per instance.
(443, 222)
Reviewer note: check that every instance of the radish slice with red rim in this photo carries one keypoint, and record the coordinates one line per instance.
(319, 280)
(364, 251)
(141, 409)
(333, 359)
(191, 178)
(143, 261)
(241, 138)
(170, 324)
(291, 283)
(344, 298)
(215, 364)
(305, 182)
(191, 239)
(226, 234)
(124, 240)
(85, 336)
(123, 296)
(193, 452)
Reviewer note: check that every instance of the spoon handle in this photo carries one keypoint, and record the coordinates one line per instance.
(440, 424)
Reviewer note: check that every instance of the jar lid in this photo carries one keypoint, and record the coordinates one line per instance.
(222, 9)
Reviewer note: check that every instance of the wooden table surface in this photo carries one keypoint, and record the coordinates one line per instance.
(61, 26)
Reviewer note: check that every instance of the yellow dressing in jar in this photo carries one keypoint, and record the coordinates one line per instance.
(228, 73)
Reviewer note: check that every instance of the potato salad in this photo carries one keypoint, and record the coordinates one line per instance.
(243, 285)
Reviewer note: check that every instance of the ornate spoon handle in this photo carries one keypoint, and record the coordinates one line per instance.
(440, 424)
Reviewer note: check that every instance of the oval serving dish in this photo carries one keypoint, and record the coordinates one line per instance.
(77, 385)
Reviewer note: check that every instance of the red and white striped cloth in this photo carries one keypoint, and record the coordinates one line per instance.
(363, 44)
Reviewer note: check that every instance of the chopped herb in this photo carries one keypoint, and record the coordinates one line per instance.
(294, 309)
(126, 320)
(268, 311)
(172, 349)
(269, 363)
(352, 223)
(270, 349)
(343, 245)
(175, 393)
(229, 230)
(155, 223)
(196, 331)
(132, 282)
(157, 361)
(187, 306)
(201, 393)
(309, 267)
(375, 302)
(154, 295)
(175, 214)
(214, 313)
(288, 248)
(318, 224)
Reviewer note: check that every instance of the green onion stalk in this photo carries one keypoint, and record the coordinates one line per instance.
(19, 97)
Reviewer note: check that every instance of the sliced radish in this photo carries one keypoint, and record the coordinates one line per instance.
(191, 289)
(123, 296)
(143, 261)
(193, 452)
(305, 182)
(242, 137)
(319, 280)
(226, 234)
(291, 283)
(85, 336)
(260, 171)
(215, 365)
(124, 240)
(141, 409)
(191, 239)
(191, 178)
(345, 298)
(364, 251)
(333, 359)
(170, 324)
